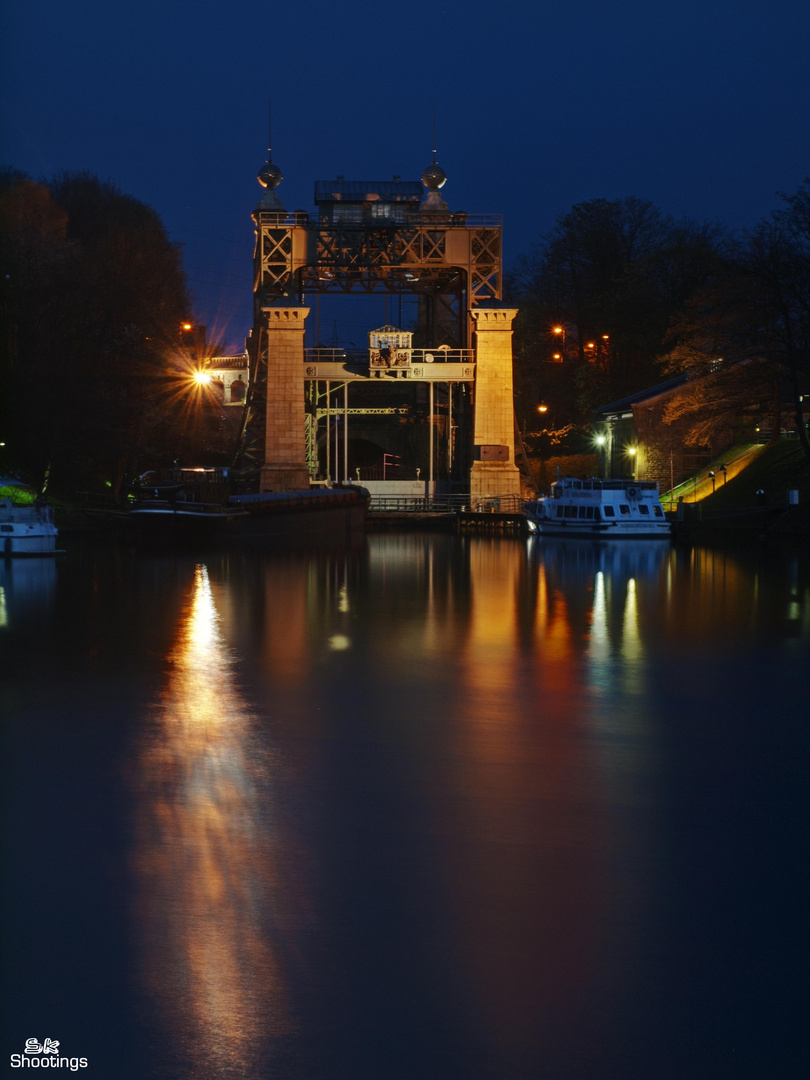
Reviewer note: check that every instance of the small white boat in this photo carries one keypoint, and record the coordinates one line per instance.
(27, 530)
(599, 509)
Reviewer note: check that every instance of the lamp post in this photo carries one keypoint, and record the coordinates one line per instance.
(632, 451)
(600, 441)
(192, 338)
(605, 351)
(560, 332)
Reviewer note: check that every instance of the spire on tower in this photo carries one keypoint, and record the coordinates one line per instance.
(434, 177)
(270, 175)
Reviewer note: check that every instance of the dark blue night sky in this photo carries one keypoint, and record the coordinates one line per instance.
(701, 106)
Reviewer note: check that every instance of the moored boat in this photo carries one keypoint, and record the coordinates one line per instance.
(27, 530)
(602, 509)
(198, 505)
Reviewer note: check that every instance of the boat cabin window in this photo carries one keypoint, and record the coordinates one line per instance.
(624, 509)
(642, 509)
(609, 511)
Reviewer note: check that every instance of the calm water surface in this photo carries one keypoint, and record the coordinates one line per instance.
(443, 808)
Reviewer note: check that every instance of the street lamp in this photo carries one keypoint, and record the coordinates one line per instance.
(600, 440)
(192, 338)
(605, 349)
(631, 453)
(560, 332)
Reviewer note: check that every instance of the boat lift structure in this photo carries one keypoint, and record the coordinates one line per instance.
(452, 374)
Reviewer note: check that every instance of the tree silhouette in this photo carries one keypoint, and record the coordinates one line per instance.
(611, 273)
(94, 294)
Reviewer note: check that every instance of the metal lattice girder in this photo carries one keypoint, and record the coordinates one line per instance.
(379, 279)
(394, 410)
(249, 452)
(311, 443)
(275, 257)
(413, 257)
(485, 279)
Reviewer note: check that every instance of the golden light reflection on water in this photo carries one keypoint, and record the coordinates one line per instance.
(527, 799)
(205, 857)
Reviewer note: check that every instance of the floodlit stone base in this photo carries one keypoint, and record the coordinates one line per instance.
(489, 479)
(285, 467)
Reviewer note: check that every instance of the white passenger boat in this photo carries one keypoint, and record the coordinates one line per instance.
(27, 530)
(600, 509)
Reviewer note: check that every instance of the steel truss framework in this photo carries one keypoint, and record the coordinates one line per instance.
(451, 262)
(447, 257)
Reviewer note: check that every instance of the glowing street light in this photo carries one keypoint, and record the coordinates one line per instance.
(192, 340)
(632, 451)
(560, 332)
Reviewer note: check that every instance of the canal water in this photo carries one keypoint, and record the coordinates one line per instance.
(446, 808)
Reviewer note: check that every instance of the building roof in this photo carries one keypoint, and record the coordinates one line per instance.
(362, 191)
(642, 395)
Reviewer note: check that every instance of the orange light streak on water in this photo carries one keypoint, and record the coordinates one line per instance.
(204, 857)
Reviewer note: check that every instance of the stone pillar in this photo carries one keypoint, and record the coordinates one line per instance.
(494, 471)
(285, 455)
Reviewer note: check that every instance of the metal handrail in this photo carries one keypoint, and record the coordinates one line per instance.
(361, 356)
(498, 504)
(357, 216)
(418, 504)
(484, 504)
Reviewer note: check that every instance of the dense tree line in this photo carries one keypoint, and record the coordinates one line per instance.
(624, 296)
(93, 294)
